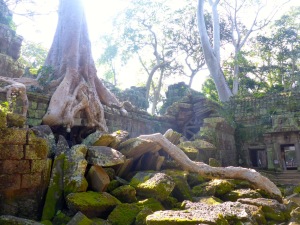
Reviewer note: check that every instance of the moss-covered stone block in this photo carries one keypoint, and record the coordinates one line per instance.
(194, 179)
(37, 152)
(182, 190)
(11, 151)
(54, 196)
(92, 204)
(3, 121)
(152, 184)
(33, 105)
(221, 186)
(141, 216)
(234, 195)
(113, 185)
(204, 189)
(31, 180)
(150, 203)
(61, 218)
(125, 193)
(13, 136)
(15, 120)
(124, 214)
(33, 121)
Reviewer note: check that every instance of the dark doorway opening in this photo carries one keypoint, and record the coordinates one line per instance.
(258, 158)
(288, 157)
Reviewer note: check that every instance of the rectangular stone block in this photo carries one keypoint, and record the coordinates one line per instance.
(38, 165)
(13, 136)
(11, 151)
(10, 182)
(14, 166)
(31, 180)
(36, 151)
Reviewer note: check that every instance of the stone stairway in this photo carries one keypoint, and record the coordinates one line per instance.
(291, 177)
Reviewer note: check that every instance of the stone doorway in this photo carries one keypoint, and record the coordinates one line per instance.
(258, 158)
(288, 157)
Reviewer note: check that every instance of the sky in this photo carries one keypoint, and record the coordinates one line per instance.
(99, 17)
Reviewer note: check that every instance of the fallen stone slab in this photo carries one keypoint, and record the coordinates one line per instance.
(7, 219)
(199, 213)
(97, 178)
(272, 209)
(104, 156)
(136, 147)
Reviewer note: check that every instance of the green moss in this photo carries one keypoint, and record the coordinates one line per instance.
(92, 204)
(124, 214)
(203, 190)
(141, 216)
(182, 190)
(221, 186)
(195, 179)
(47, 222)
(15, 120)
(61, 219)
(210, 200)
(150, 203)
(113, 185)
(149, 184)
(125, 193)
(171, 203)
(54, 197)
(240, 193)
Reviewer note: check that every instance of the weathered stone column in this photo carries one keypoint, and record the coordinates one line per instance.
(270, 157)
(297, 149)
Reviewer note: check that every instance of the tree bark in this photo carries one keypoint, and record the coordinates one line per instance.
(255, 178)
(79, 89)
(211, 59)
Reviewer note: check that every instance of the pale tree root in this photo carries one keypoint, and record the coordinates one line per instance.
(256, 179)
(15, 89)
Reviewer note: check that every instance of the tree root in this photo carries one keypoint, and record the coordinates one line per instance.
(255, 178)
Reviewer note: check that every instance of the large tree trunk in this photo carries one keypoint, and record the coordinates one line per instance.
(211, 57)
(205, 170)
(79, 89)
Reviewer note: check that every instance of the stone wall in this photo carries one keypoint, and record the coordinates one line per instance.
(136, 122)
(24, 171)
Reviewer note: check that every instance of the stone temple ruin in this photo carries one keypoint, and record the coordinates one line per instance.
(91, 177)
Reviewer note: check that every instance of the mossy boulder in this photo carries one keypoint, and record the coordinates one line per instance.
(273, 210)
(125, 193)
(221, 186)
(92, 204)
(234, 195)
(153, 184)
(182, 190)
(124, 214)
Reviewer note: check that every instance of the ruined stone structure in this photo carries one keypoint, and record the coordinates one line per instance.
(268, 130)
(24, 169)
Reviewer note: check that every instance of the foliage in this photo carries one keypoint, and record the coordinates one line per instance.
(33, 56)
(4, 107)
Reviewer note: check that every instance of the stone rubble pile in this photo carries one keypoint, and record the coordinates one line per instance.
(112, 180)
